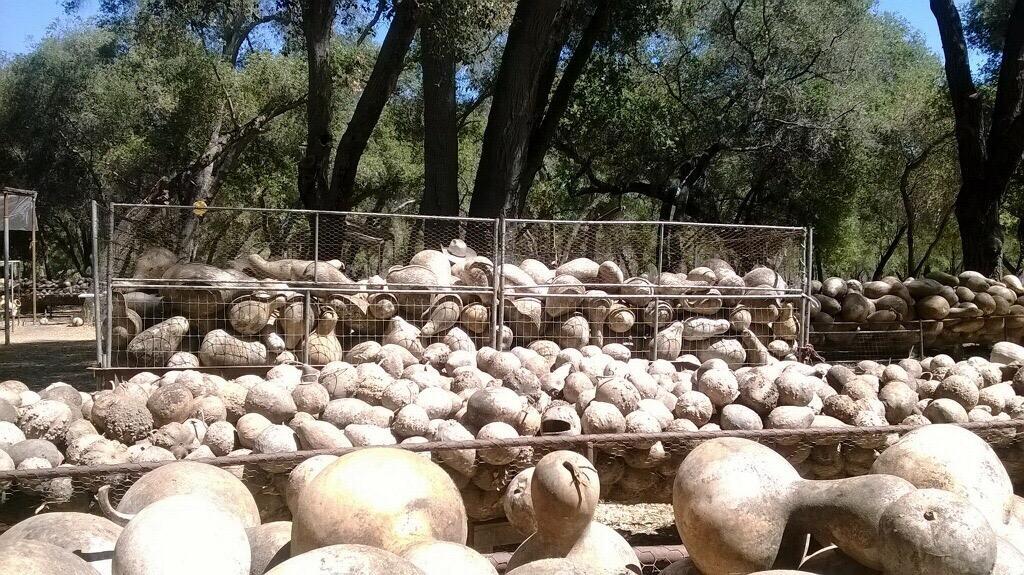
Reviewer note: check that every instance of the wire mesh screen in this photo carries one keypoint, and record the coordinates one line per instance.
(184, 286)
(632, 470)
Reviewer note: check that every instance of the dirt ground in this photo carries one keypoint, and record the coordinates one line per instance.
(42, 354)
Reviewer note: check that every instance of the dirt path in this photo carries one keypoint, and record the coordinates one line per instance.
(42, 354)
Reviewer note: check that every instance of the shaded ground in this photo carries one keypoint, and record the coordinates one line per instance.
(42, 354)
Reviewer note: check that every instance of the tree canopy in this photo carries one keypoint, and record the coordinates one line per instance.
(822, 113)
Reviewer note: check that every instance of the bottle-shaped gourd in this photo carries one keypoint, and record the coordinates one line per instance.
(564, 491)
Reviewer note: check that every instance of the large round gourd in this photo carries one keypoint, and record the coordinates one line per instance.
(346, 560)
(386, 498)
(188, 477)
(182, 534)
(91, 536)
(35, 558)
(951, 458)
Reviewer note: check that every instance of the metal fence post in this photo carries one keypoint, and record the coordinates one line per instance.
(499, 279)
(316, 243)
(8, 277)
(659, 261)
(96, 285)
(496, 298)
(110, 290)
(805, 308)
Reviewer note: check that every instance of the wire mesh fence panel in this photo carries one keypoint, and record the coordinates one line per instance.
(629, 249)
(742, 248)
(632, 468)
(181, 286)
(184, 287)
(890, 341)
(647, 286)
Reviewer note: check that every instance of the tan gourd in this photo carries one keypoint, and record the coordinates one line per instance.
(154, 345)
(404, 334)
(881, 521)
(596, 308)
(221, 348)
(786, 326)
(324, 272)
(574, 332)
(564, 491)
(620, 318)
(382, 305)
(704, 304)
(223, 489)
(564, 295)
(293, 323)
(442, 314)
(182, 534)
(641, 289)
(346, 560)
(386, 498)
(36, 558)
(437, 263)
(322, 346)
(193, 303)
(527, 315)
(249, 314)
(89, 535)
(125, 322)
(583, 269)
(475, 317)
(413, 278)
(355, 313)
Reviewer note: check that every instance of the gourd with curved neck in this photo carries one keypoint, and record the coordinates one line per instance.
(565, 490)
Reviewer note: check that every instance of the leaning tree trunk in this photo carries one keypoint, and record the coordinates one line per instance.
(440, 139)
(513, 108)
(379, 87)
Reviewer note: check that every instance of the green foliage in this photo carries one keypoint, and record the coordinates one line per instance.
(810, 112)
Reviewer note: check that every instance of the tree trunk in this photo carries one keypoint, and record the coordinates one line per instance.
(887, 255)
(378, 89)
(544, 134)
(986, 163)
(981, 234)
(317, 24)
(440, 139)
(513, 108)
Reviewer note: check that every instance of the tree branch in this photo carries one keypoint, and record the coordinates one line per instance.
(889, 251)
(382, 5)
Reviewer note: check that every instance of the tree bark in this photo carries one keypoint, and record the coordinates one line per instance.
(440, 138)
(543, 135)
(889, 251)
(514, 106)
(317, 25)
(908, 204)
(379, 87)
(986, 164)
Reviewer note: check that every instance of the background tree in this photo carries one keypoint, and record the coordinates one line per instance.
(990, 138)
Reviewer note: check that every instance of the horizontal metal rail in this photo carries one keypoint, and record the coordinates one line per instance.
(301, 211)
(550, 441)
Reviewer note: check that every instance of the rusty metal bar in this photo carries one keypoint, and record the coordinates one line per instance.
(548, 441)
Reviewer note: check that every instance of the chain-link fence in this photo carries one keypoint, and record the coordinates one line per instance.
(181, 286)
(632, 468)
